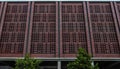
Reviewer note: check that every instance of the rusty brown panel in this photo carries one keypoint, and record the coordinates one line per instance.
(14, 29)
(43, 33)
(103, 29)
(73, 28)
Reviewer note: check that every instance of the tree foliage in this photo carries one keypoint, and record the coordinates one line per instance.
(27, 63)
(83, 61)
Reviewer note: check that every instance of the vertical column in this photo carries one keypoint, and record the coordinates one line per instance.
(116, 6)
(92, 63)
(57, 30)
(115, 22)
(59, 64)
(90, 26)
(60, 29)
(1, 10)
(27, 30)
(87, 28)
(2, 17)
(1, 25)
(30, 27)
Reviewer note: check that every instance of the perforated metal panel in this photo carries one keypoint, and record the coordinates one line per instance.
(43, 29)
(73, 32)
(103, 30)
(14, 24)
(58, 29)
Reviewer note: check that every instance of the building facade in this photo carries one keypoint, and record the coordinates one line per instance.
(53, 31)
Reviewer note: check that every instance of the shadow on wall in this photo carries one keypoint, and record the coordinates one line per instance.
(109, 64)
(5, 67)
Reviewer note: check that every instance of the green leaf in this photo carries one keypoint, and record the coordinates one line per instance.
(27, 63)
(83, 61)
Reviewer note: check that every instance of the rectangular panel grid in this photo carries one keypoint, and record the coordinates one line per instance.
(14, 29)
(73, 30)
(104, 34)
(43, 38)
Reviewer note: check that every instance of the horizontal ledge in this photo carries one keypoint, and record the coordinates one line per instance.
(60, 59)
(106, 59)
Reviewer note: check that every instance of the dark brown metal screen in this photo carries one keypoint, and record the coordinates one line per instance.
(58, 29)
(43, 39)
(73, 28)
(104, 34)
(14, 28)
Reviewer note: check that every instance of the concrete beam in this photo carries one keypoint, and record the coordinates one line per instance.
(61, 59)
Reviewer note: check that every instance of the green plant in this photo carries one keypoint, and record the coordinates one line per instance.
(83, 61)
(27, 63)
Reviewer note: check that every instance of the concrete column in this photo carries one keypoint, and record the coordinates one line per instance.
(92, 63)
(59, 65)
